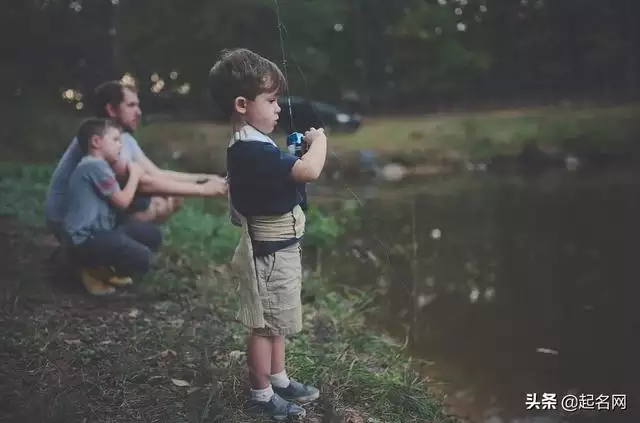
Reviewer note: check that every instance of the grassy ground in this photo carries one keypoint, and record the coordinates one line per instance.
(168, 349)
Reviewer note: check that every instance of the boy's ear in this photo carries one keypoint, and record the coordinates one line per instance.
(95, 142)
(240, 105)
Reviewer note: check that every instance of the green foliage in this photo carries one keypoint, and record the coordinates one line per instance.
(352, 363)
(425, 49)
(325, 228)
(445, 63)
(358, 367)
(203, 236)
(22, 192)
(201, 229)
(24, 201)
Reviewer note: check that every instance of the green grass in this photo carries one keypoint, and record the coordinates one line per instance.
(424, 138)
(361, 371)
(455, 136)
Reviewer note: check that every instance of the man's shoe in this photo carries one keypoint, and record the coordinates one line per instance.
(120, 280)
(279, 409)
(297, 392)
(117, 280)
(92, 281)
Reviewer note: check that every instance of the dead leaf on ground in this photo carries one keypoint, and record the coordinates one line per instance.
(237, 355)
(167, 353)
(180, 382)
(162, 354)
(352, 416)
(547, 351)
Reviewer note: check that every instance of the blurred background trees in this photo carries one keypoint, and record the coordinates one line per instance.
(381, 56)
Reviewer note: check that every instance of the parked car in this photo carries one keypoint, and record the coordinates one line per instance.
(309, 113)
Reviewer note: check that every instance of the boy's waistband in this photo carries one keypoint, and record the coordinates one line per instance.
(277, 228)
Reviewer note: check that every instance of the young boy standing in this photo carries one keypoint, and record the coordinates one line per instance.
(92, 233)
(266, 191)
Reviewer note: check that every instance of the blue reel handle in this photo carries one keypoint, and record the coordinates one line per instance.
(296, 144)
(296, 137)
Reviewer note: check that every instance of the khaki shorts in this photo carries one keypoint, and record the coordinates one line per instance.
(277, 286)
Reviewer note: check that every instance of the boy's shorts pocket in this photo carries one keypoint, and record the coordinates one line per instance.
(279, 284)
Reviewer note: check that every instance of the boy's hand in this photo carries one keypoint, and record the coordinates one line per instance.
(121, 168)
(313, 135)
(215, 186)
(310, 165)
(135, 170)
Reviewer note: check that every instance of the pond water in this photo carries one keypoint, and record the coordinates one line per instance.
(506, 286)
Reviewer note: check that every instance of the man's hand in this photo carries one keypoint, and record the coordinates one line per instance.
(201, 178)
(214, 186)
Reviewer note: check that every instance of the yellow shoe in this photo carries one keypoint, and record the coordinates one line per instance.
(114, 279)
(92, 281)
(120, 280)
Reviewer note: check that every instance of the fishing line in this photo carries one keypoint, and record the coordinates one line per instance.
(281, 32)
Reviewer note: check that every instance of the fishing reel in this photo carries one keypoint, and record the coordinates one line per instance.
(296, 144)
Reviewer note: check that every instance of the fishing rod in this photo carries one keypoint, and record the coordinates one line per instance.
(295, 140)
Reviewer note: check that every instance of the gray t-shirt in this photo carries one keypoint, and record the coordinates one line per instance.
(55, 205)
(90, 185)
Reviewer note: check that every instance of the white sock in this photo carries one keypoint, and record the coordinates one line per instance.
(280, 380)
(263, 395)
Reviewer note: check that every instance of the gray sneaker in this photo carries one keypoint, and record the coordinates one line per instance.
(278, 408)
(297, 392)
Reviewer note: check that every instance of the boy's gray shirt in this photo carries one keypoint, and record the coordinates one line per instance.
(56, 203)
(90, 184)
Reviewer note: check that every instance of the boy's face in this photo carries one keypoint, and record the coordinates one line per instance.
(110, 144)
(128, 112)
(261, 113)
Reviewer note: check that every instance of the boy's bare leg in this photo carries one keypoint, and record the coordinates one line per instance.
(277, 354)
(259, 360)
(288, 389)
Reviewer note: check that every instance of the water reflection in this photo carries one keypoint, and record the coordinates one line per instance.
(508, 286)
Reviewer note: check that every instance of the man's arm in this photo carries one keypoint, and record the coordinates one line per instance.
(152, 170)
(163, 185)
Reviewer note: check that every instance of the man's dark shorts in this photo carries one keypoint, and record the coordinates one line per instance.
(141, 202)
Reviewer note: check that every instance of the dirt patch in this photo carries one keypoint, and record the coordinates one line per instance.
(69, 357)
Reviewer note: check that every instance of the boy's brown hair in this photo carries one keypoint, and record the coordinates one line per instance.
(91, 127)
(242, 73)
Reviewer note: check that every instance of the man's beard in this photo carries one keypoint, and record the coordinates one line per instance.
(126, 128)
